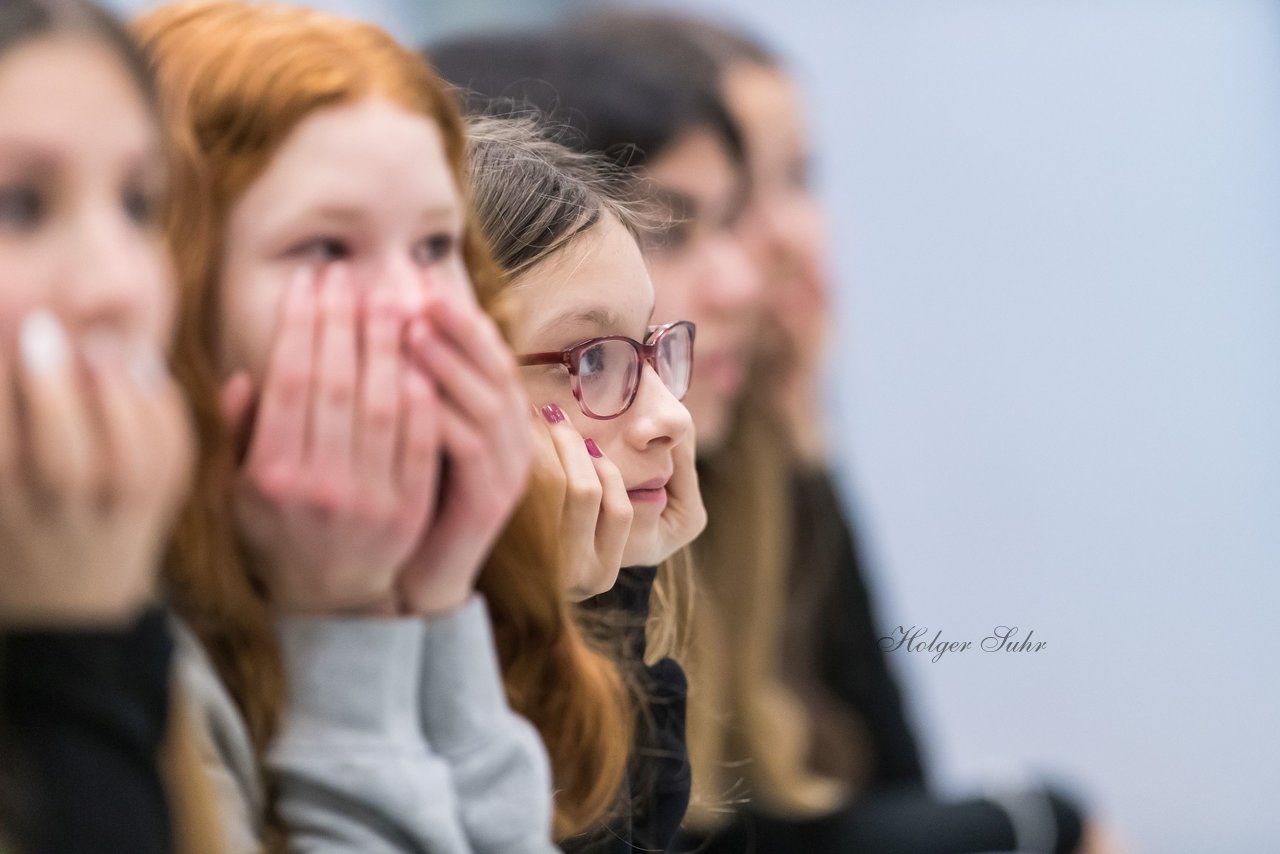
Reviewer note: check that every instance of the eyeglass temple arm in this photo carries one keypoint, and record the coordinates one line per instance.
(556, 358)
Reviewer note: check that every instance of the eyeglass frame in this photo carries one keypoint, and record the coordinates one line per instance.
(571, 358)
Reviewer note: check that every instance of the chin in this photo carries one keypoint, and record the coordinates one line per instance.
(644, 549)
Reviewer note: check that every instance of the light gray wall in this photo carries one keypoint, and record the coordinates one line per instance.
(1057, 397)
(414, 21)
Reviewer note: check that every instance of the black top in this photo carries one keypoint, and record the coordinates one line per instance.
(82, 717)
(831, 610)
(656, 789)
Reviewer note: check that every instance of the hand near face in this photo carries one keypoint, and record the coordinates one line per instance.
(794, 336)
(685, 516)
(487, 446)
(95, 453)
(596, 514)
(343, 463)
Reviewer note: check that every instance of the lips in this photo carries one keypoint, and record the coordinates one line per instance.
(652, 491)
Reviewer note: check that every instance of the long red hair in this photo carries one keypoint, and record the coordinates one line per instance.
(237, 79)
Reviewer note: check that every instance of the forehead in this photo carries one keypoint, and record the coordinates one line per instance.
(601, 268)
(698, 165)
(766, 104)
(52, 89)
(370, 151)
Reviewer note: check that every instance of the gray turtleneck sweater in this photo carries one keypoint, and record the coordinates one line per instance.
(397, 738)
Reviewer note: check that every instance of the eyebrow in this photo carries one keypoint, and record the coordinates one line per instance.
(355, 212)
(600, 318)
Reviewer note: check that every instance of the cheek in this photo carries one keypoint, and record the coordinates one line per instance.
(161, 297)
(25, 283)
(545, 387)
(606, 434)
(250, 306)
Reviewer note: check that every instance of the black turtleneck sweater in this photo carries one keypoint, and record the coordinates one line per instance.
(656, 789)
(83, 713)
(831, 639)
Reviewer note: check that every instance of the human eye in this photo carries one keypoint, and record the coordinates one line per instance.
(140, 206)
(670, 237)
(21, 207)
(594, 361)
(435, 248)
(322, 249)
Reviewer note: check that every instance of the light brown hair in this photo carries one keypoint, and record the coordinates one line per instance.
(533, 197)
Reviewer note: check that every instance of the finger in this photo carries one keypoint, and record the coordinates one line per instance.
(168, 431)
(56, 421)
(583, 490)
(280, 429)
(168, 411)
(334, 388)
(616, 511)
(8, 420)
(469, 463)
(515, 439)
(380, 385)
(476, 338)
(419, 446)
(117, 398)
(234, 399)
(15, 501)
(460, 383)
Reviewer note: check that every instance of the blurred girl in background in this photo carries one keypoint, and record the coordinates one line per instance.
(797, 732)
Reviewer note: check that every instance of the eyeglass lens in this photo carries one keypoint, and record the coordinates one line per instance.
(608, 371)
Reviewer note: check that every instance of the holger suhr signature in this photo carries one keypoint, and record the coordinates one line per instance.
(1000, 640)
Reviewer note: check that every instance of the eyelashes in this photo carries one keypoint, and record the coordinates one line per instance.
(426, 252)
(436, 248)
(141, 207)
(321, 249)
(21, 208)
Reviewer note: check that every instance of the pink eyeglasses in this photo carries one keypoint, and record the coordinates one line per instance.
(606, 371)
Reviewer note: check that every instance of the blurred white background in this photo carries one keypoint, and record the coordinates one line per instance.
(1056, 396)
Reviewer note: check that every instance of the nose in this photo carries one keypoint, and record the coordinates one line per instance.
(115, 275)
(405, 281)
(733, 284)
(656, 417)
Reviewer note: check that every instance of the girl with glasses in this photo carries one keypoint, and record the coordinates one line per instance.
(616, 452)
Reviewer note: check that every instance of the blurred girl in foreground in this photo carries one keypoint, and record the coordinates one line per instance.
(94, 440)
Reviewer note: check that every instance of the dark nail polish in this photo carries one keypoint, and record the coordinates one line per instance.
(593, 449)
(552, 413)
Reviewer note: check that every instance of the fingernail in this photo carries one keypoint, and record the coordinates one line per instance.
(593, 449)
(552, 413)
(43, 343)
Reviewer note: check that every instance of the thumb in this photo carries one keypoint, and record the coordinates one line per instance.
(234, 399)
